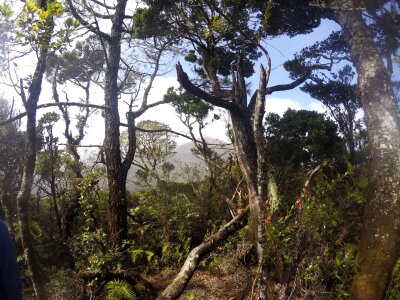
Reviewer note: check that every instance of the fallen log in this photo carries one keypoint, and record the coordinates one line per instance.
(178, 285)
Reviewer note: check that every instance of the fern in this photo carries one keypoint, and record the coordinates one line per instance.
(119, 289)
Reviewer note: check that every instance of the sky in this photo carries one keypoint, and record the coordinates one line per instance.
(280, 49)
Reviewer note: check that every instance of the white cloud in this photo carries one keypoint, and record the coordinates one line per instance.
(280, 105)
(317, 106)
(165, 113)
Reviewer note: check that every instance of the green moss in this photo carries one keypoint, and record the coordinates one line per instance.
(393, 291)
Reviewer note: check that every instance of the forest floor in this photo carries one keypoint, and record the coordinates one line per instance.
(228, 280)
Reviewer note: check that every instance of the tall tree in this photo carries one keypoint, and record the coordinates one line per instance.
(154, 147)
(340, 96)
(119, 78)
(48, 165)
(42, 16)
(378, 249)
(82, 66)
(225, 43)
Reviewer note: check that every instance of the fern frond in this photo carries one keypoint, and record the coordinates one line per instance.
(119, 289)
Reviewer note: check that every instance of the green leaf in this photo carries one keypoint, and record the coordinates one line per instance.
(119, 289)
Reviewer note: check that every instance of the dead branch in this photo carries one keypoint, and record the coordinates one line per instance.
(23, 114)
(175, 289)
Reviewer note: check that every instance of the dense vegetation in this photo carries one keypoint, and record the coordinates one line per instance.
(299, 206)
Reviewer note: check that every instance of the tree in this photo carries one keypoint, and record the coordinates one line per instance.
(194, 112)
(42, 17)
(82, 66)
(298, 142)
(154, 147)
(377, 249)
(48, 165)
(221, 30)
(340, 96)
(119, 78)
(303, 138)
(11, 162)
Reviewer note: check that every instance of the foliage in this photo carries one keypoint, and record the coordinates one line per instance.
(394, 287)
(188, 104)
(80, 64)
(118, 290)
(302, 137)
(168, 214)
(154, 147)
(298, 142)
(6, 27)
(344, 270)
(203, 26)
(311, 229)
(315, 236)
(36, 23)
(191, 297)
(11, 161)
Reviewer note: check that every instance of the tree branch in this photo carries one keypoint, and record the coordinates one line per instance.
(185, 82)
(289, 86)
(103, 4)
(252, 102)
(173, 132)
(138, 113)
(85, 23)
(23, 95)
(21, 115)
(175, 289)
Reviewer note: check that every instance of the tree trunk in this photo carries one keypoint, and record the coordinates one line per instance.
(23, 197)
(378, 248)
(7, 194)
(117, 202)
(175, 289)
(250, 147)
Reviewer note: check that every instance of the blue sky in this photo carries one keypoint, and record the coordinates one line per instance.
(283, 48)
(280, 49)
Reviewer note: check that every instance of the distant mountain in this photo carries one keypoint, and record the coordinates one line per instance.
(184, 151)
(184, 159)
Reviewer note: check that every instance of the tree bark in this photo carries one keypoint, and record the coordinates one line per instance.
(23, 197)
(117, 202)
(175, 289)
(378, 248)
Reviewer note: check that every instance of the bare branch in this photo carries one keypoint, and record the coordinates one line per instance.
(103, 4)
(23, 95)
(141, 111)
(85, 23)
(184, 80)
(289, 86)
(21, 115)
(173, 132)
(83, 146)
(175, 289)
(96, 14)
